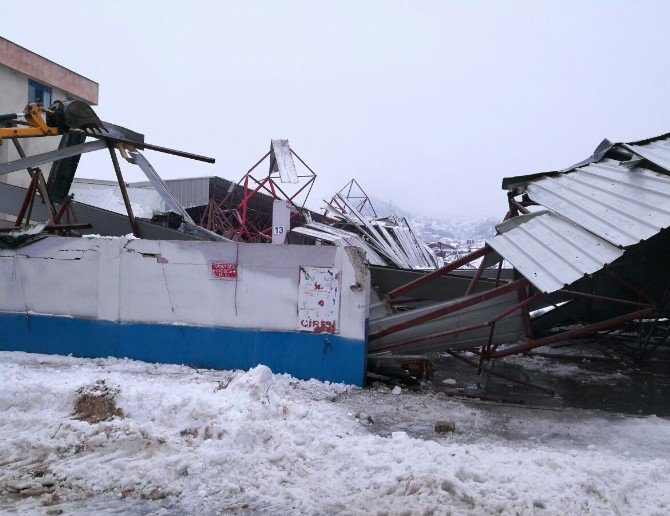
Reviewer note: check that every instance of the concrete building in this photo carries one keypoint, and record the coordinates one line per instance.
(28, 77)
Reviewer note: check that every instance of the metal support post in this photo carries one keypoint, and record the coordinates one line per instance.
(124, 192)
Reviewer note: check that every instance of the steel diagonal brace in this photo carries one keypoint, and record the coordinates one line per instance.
(48, 157)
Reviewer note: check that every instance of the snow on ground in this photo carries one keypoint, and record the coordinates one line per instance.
(220, 441)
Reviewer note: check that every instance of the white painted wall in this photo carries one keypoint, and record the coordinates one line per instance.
(170, 282)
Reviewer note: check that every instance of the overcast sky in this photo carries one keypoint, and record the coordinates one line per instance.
(428, 104)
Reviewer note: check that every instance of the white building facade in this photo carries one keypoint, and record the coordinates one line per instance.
(28, 77)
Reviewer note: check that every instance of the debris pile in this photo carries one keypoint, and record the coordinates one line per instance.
(588, 246)
(392, 237)
(581, 252)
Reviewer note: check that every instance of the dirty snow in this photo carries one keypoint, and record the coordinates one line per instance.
(218, 441)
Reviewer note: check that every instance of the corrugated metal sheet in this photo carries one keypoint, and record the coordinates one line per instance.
(393, 238)
(597, 209)
(508, 329)
(191, 192)
(657, 152)
(159, 186)
(340, 238)
(104, 222)
(144, 201)
(621, 205)
(551, 252)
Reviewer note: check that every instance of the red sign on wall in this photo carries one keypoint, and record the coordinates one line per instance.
(224, 270)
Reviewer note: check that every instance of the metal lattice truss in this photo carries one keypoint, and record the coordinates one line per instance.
(236, 217)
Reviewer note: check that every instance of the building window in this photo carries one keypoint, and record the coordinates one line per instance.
(38, 92)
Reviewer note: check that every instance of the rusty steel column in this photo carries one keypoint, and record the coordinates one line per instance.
(475, 279)
(41, 185)
(124, 192)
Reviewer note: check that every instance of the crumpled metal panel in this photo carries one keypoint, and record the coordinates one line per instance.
(657, 152)
(507, 330)
(171, 204)
(283, 161)
(619, 204)
(340, 238)
(394, 239)
(551, 252)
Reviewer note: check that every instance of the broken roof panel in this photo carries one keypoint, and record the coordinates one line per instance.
(596, 209)
(551, 252)
(283, 161)
(171, 204)
(619, 204)
(340, 238)
(657, 152)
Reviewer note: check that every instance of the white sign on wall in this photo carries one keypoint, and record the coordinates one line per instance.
(319, 300)
(281, 221)
(219, 270)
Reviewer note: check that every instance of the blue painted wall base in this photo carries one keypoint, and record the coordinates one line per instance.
(303, 355)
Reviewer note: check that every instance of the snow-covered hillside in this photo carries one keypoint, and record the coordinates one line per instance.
(446, 229)
(459, 228)
(199, 441)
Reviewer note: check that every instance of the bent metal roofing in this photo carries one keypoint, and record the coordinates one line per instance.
(596, 210)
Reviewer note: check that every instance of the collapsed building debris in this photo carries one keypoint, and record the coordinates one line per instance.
(235, 215)
(589, 247)
(392, 237)
(586, 248)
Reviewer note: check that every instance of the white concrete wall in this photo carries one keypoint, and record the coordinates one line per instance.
(170, 282)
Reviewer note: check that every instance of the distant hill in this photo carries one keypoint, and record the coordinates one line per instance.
(442, 228)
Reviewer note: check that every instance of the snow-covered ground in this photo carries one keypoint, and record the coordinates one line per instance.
(201, 441)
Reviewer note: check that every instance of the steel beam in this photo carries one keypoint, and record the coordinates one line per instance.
(141, 146)
(591, 328)
(440, 272)
(48, 157)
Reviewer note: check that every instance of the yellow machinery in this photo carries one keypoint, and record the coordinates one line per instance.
(36, 121)
(60, 118)
(75, 120)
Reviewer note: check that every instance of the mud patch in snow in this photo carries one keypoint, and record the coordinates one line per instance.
(96, 403)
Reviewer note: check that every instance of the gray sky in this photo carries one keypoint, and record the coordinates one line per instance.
(426, 103)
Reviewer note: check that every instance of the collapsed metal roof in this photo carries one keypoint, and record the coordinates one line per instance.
(339, 237)
(551, 251)
(615, 199)
(609, 199)
(393, 238)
